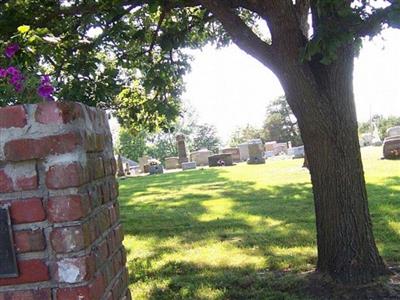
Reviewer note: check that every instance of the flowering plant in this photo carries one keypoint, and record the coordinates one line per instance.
(22, 78)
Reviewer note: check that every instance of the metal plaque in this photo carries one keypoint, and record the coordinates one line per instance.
(8, 261)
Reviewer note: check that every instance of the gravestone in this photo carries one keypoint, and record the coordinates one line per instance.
(243, 152)
(393, 131)
(255, 152)
(180, 143)
(155, 169)
(188, 165)
(280, 148)
(269, 146)
(171, 163)
(143, 161)
(234, 151)
(200, 157)
(391, 147)
(120, 167)
(296, 152)
(216, 159)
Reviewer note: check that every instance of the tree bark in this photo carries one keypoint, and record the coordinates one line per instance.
(346, 245)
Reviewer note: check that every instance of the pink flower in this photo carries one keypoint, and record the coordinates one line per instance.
(11, 49)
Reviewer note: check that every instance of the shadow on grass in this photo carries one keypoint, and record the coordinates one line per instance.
(275, 223)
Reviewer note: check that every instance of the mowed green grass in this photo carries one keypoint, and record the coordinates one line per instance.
(241, 232)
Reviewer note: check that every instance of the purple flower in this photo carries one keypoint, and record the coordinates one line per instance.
(11, 49)
(45, 89)
(13, 71)
(3, 73)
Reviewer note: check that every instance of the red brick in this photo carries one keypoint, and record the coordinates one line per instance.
(109, 296)
(27, 211)
(64, 176)
(114, 189)
(97, 287)
(29, 241)
(25, 149)
(74, 293)
(33, 294)
(70, 239)
(25, 178)
(29, 271)
(58, 112)
(12, 116)
(111, 242)
(113, 214)
(113, 166)
(26, 183)
(67, 208)
(107, 167)
(74, 270)
(119, 234)
(105, 192)
(6, 183)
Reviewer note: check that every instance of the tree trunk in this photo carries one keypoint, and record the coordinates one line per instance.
(346, 246)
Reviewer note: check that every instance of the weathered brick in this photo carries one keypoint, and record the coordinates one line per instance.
(70, 239)
(13, 116)
(34, 270)
(67, 208)
(6, 182)
(26, 149)
(74, 270)
(15, 177)
(100, 253)
(113, 214)
(64, 176)
(105, 192)
(33, 294)
(27, 211)
(26, 183)
(58, 112)
(74, 293)
(119, 234)
(113, 189)
(29, 241)
(97, 286)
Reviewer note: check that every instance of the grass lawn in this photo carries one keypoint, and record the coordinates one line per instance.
(241, 232)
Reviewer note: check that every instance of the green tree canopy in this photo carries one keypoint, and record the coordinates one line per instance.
(243, 134)
(280, 123)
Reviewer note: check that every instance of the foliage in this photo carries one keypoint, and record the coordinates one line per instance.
(128, 55)
(22, 78)
(163, 144)
(243, 134)
(383, 123)
(131, 146)
(280, 124)
(234, 233)
(205, 137)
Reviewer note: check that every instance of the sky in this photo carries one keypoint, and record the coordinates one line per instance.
(229, 89)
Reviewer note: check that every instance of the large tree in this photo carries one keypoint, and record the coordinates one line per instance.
(315, 71)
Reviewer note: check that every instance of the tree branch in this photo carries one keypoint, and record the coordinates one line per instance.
(302, 7)
(240, 33)
(372, 25)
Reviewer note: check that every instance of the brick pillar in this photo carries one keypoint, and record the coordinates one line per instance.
(57, 175)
